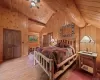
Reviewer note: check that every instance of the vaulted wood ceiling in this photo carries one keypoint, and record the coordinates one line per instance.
(80, 12)
(69, 7)
(38, 16)
(90, 10)
(42, 14)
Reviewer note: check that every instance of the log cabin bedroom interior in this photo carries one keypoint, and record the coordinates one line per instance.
(49, 40)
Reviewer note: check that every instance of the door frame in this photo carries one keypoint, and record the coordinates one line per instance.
(20, 38)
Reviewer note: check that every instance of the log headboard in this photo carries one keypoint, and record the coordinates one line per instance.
(68, 42)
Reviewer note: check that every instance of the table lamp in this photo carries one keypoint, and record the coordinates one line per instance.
(87, 39)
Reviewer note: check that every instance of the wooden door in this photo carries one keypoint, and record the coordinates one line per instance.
(16, 44)
(44, 40)
(47, 39)
(8, 44)
(12, 44)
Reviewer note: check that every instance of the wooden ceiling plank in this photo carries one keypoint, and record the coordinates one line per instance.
(92, 16)
(82, 2)
(90, 12)
(98, 1)
(89, 8)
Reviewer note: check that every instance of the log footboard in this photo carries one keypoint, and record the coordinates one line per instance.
(48, 65)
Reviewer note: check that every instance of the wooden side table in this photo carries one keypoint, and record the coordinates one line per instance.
(89, 57)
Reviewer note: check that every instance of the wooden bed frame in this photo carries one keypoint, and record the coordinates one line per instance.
(43, 61)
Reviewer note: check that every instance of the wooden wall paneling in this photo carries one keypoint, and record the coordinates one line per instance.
(77, 38)
(93, 36)
(82, 33)
(17, 21)
(54, 25)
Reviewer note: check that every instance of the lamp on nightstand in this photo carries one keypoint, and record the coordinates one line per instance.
(87, 39)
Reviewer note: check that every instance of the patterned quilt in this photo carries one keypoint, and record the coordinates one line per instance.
(58, 54)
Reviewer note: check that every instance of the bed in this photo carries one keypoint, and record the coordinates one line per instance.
(56, 60)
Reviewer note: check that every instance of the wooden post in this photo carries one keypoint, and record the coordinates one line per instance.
(94, 67)
(47, 66)
(51, 70)
(79, 61)
(34, 57)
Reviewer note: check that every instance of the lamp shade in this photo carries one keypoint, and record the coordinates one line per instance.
(85, 39)
(92, 41)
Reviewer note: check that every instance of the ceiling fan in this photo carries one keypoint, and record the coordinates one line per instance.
(34, 3)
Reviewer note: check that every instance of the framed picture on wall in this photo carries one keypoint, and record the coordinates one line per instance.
(33, 38)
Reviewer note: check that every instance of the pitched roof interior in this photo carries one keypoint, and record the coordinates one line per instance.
(80, 12)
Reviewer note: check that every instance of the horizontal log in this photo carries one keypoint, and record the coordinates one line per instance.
(65, 61)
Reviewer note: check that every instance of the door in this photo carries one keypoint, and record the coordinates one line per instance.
(47, 39)
(8, 44)
(11, 44)
(44, 40)
(16, 44)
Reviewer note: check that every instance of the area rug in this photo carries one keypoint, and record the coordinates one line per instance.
(80, 75)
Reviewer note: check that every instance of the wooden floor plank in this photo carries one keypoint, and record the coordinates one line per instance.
(23, 69)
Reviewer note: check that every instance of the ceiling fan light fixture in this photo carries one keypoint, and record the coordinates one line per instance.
(33, 4)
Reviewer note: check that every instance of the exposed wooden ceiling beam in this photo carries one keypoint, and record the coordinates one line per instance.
(40, 23)
(34, 31)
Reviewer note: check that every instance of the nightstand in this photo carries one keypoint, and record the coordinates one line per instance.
(85, 57)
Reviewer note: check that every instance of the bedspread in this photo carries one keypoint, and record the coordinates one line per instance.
(57, 54)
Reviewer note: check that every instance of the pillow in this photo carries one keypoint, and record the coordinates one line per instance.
(61, 45)
(66, 46)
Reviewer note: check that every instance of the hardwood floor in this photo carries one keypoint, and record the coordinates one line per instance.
(23, 69)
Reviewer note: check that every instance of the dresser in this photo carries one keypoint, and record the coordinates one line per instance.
(85, 57)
